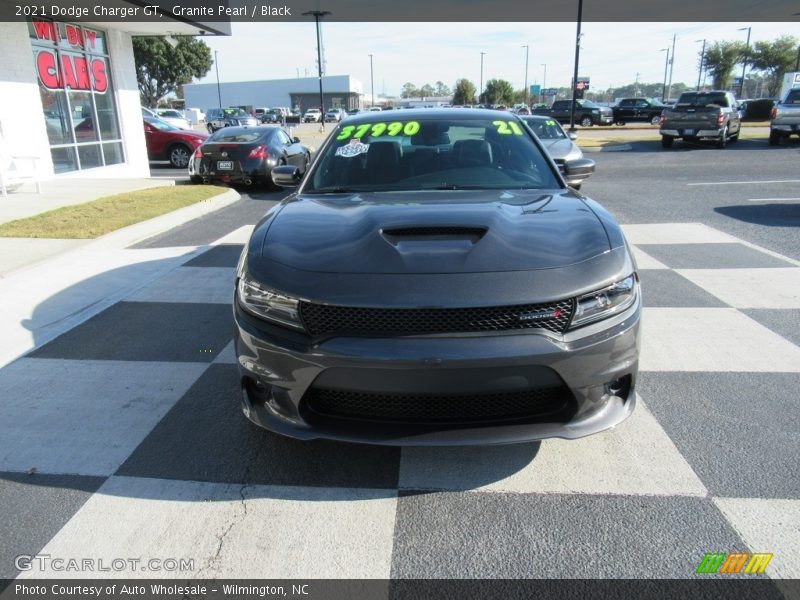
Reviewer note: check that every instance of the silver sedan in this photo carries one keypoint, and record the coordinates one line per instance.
(557, 142)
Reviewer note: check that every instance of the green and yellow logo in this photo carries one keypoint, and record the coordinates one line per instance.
(736, 562)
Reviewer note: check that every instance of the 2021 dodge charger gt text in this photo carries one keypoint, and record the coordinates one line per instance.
(433, 281)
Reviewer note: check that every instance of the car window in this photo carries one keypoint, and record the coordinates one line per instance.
(546, 129)
(159, 124)
(234, 112)
(431, 153)
(283, 137)
(237, 135)
(793, 97)
(627, 103)
(695, 99)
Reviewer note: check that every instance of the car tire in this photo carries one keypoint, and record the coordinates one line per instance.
(655, 120)
(774, 138)
(666, 141)
(620, 123)
(586, 122)
(723, 139)
(179, 156)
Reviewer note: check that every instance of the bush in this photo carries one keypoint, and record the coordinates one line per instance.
(758, 110)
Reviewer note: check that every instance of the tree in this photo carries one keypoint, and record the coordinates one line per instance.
(409, 90)
(465, 92)
(425, 91)
(774, 59)
(442, 90)
(498, 91)
(160, 68)
(721, 58)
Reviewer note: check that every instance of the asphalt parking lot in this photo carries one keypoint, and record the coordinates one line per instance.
(146, 453)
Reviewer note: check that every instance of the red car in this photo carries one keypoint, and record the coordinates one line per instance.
(166, 142)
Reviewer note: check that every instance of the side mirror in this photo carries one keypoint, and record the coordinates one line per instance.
(296, 140)
(572, 135)
(287, 176)
(577, 170)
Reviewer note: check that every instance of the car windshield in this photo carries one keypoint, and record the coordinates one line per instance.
(693, 99)
(589, 104)
(159, 124)
(431, 153)
(170, 113)
(546, 129)
(235, 112)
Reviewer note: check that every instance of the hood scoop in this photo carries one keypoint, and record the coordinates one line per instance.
(396, 235)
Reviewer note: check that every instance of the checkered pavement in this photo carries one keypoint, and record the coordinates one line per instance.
(132, 424)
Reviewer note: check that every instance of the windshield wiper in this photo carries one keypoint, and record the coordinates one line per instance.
(333, 190)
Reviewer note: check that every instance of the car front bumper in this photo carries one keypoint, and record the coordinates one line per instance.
(596, 366)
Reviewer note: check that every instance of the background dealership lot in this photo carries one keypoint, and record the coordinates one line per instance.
(131, 419)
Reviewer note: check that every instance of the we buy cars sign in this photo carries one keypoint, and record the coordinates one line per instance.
(72, 71)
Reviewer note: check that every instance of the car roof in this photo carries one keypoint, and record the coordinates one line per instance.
(536, 117)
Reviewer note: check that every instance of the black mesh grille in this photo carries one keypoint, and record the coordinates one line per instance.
(321, 319)
(428, 408)
(434, 231)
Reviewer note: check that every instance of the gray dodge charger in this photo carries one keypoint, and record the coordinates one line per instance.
(432, 280)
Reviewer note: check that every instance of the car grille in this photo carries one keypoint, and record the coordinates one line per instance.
(326, 320)
(554, 402)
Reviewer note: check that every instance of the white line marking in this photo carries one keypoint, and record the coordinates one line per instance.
(773, 199)
(746, 182)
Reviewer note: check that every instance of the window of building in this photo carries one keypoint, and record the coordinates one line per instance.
(77, 92)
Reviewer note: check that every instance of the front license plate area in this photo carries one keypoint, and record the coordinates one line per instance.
(225, 165)
(688, 132)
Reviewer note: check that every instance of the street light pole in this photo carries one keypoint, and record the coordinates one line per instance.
(219, 92)
(575, 74)
(527, 99)
(480, 89)
(371, 80)
(797, 64)
(702, 61)
(317, 14)
(671, 66)
(666, 65)
(544, 79)
(744, 60)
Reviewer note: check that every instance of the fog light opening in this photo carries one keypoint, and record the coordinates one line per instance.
(260, 393)
(620, 387)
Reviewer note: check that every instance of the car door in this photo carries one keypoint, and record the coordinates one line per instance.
(627, 111)
(294, 151)
(154, 140)
(735, 123)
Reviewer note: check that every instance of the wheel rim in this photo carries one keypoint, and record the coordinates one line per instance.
(586, 122)
(655, 120)
(179, 157)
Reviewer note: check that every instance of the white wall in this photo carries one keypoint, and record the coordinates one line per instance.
(21, 113)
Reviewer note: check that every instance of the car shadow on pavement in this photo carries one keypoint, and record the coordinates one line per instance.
(784, 214)
(148, 389)
(647, 146)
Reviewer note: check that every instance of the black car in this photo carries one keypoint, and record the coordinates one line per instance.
(642, 110)
(246, 155)
(433, 280)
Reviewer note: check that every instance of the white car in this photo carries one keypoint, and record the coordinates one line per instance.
(174, 118)
(313, 115)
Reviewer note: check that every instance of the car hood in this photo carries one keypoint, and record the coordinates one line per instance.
(558, 149)
(412, 232)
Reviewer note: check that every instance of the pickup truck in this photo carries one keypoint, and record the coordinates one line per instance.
(701, 116)
(587, 113)
(630, 110)
(785, 118)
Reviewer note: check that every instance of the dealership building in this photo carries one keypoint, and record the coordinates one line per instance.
(69, 101)
(341, 91)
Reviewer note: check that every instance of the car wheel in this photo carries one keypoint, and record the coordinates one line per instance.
(179, 156)
(586, 122)
(666, 141)
(655, 120)
(620, 123)
(774, 138)
(723, 138)
(210, 128)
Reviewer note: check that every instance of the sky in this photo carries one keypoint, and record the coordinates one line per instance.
(611, 53)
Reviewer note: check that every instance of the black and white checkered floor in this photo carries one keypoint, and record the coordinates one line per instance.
(131, 421)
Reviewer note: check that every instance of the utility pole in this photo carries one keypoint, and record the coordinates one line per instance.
(219, 91)
(671, 67)
(744, 60)
(797, 64)
(527, 98)
(317, 14)
(636, 85)
(702, 62)
(666, 64)
(480, 90)
(372, 80)
(544, 79)
(577, 62)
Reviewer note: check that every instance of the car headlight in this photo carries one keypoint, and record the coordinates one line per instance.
(606, 302)
(268, 304)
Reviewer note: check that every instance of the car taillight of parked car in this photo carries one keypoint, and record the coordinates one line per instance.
(773, 113)
(259, 152)
(661, 119)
